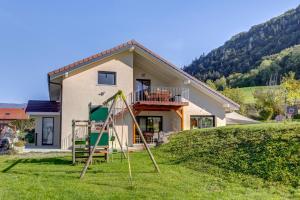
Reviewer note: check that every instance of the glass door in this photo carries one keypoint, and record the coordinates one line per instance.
(154, 124)
(142, 86)
(48, 131)
(149, 125)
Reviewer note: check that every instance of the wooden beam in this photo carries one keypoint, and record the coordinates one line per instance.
(134, 133)
(156, 107)
(142, 136)
(178, 112)
(182, 119)
(137, 112)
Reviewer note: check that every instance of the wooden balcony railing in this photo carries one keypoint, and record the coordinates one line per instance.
(161, 94)
(156, 96)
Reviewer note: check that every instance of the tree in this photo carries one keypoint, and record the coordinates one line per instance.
(236, 96)
(247, 50)
(211, 84)
(269, 102)
(221, 84)
(291, 87)
(22, 125)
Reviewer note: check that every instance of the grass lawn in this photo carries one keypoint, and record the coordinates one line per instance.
(248, 92)
(51, 176)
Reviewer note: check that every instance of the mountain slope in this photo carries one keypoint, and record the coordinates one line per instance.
(244, 51)
(271, 68)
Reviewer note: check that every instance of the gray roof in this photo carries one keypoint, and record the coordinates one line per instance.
(42, 106)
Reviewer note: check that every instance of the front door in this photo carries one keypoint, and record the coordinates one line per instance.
(142, 85)
(47, 131)
(149, 125)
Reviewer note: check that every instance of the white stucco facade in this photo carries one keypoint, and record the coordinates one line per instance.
(39, 130)
(79, 87)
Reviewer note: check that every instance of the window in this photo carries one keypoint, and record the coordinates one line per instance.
(202, 121)
(151, 124)
(48, 131)
(142, 85)
(107, 78)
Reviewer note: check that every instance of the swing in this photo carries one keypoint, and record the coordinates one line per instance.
(109, 120)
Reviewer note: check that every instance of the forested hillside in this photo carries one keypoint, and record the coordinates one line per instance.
(245, 50)
(271, 69)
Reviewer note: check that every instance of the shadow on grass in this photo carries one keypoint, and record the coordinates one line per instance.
(52, 161)
(127, 186)
(93, 169)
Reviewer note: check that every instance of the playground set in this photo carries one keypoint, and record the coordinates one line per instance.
(90, 138)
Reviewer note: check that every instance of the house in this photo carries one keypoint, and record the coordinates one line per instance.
(164, 98)
(8, 115)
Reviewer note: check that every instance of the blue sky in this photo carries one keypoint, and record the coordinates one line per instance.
(39, 36)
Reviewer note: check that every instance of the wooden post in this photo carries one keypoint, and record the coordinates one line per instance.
(73, 142)
(141, 134)
(89, 129)
(98, 139)
(180, 114)
(182, 119)
(106, 149)
(134, 133)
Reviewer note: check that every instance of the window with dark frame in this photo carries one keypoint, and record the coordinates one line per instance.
(202, 121)
(106, 78)
(150, 123)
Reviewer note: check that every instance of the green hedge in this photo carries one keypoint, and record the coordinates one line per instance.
(269, 151)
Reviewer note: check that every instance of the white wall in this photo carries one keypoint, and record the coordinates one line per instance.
(39, 130)
(139, 73)
(201, 104)
(82, 88)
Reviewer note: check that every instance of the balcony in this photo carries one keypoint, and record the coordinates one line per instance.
(155, 99)
(161, 97)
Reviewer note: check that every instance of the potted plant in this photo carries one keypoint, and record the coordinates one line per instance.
(19, 146)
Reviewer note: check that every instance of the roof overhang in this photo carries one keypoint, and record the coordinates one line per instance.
(43, 113)
(131, 46)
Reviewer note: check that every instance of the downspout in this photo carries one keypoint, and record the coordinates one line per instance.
(60, 117)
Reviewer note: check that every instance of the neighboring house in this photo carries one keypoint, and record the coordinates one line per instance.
(8, 115)
(164, 98)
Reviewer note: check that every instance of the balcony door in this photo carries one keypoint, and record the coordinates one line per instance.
(142, 85)
(149, 126)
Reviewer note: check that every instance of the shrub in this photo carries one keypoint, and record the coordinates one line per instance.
(269, 151)
(297, 116)
(236, 96)
(269, 103)
(20, 143)
(29, 137)
(266, 113)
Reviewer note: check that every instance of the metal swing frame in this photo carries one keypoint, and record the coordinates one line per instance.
(113, 99)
